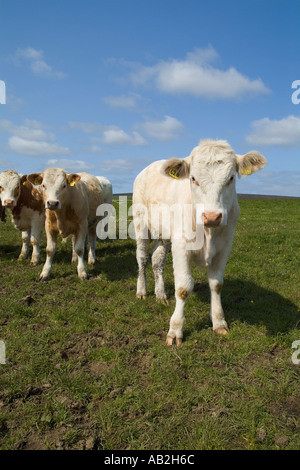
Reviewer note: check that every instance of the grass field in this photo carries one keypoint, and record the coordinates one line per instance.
(87, 366)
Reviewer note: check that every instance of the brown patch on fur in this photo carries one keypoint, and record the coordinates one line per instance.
(51, 221)
(218, 288)
(28, 200)
(65, 221)
(79, 252)
(182, 293)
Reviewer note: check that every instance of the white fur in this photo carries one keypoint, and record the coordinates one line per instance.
(213, 165)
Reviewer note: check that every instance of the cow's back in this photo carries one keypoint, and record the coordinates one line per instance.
(106, 187)
(156, 198)
(151, 186)
(95, 195)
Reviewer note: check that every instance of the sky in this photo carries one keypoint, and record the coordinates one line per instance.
(109, 86)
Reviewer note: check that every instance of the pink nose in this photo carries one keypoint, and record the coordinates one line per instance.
(211, 219)
(9, 203)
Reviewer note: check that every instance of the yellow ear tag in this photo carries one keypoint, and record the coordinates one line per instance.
(174, 172)
(72, 183)
(246, 171)
(24, 182)
(36, 182)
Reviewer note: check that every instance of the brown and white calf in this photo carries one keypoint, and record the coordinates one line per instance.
(26, 209)
(71, 202)
(203, 182)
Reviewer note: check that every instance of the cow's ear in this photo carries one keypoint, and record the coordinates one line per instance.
(23, 179)
(36, 178)
(250, 163)
(73, 179)
(176, 168)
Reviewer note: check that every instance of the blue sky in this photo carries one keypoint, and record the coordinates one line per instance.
(108, 86)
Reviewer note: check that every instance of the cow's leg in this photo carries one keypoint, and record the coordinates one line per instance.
(74, 256)
(215, 279)
(25, 244)
(52, 234)
(159, 254)
(142, 254)
(184, 284)
(79, 244)
(36, 237)
(92, 243)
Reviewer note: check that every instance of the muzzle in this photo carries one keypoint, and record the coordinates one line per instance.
(9, 203)
(52, 205)
(211, 219)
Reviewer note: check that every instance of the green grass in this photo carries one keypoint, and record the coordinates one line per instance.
(87, 365)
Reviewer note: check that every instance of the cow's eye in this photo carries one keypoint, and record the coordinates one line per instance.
(231, 179)
(193, 180)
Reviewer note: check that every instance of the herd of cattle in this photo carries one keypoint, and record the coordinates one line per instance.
(60, 203)
(66, 204)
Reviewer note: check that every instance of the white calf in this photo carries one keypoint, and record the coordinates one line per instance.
(205, 183)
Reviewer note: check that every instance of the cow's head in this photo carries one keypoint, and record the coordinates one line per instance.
(53, 184)
(212, 168)
(10, 188)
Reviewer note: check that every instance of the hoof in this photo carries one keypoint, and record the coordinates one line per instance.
(222, 330)
(162, 300)
(170, 341)
(141, 296)
(44, 278)
(83, 277)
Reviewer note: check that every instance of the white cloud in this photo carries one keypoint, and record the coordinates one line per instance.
(284, 132)
(114, 135)
(34, 147)
(30, 130)
(35, 60)
(29, 53)
(32, 139)
(195, 76)
(70, 165)
(110, 135)
(167, 129)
